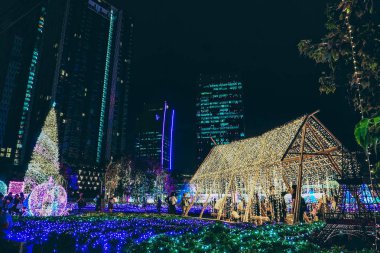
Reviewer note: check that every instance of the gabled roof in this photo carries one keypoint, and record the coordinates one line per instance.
(268, 147)
(276, 151)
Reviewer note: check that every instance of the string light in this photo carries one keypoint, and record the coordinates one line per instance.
(252, 165)
(44, 162)
(16, 187)
(151, 233)
(356, 75)
(48, 199)
(356, 80)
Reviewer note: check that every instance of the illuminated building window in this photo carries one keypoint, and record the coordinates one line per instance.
(29, 85)
(219, 112)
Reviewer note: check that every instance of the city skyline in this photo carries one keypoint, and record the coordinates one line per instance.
(78, 52)
(252, 39)
(167, 62)
(186, 126)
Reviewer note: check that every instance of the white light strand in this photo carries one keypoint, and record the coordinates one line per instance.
(45, 158)
(356, 75)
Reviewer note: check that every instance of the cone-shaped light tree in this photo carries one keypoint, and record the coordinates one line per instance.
(44, 162)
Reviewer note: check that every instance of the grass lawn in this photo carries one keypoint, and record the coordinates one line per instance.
(157, 233)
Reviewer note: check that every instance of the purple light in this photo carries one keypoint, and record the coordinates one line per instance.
(163, 136)
(16, 187)
(171, 142)
(48, 199)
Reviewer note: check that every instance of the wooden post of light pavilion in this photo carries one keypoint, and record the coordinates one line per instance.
(297, 204)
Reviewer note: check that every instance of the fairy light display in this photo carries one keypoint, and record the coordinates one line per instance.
(48, 199)
(3, 188)
(249, 167)
(16, 187)
(44, 162)
(356, 82)
(356, 75)
(150, 233)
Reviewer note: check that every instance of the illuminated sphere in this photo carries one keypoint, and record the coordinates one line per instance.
(48, 199)
(3, 188)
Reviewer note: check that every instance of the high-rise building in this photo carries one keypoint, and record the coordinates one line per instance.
(155, 135)
(92, 79)
(91, 88)
(76, 54)
(220, 117)
(26, 70)
(14, 67)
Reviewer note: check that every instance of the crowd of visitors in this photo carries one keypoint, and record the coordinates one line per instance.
(10, 205)
(14, 204)
(272, 207)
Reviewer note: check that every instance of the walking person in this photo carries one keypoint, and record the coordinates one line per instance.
(22, 197)
(81, 202)
(185, 204)
(274, 205)
(172, 203)
(144, 203)
(111, 201)
(213, 203)
(15, 204)
(283, 207)
(8, 201)
(159, 205)
(98, 202)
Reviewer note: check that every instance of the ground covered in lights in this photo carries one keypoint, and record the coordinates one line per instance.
(157, 233)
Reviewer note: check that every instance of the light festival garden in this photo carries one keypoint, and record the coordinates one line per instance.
(225, 210)
(295, 188)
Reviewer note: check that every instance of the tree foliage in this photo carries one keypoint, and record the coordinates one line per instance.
(367, 133)
(136, 179)
(350, 60)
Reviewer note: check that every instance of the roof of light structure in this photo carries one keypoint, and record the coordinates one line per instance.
(272, 159)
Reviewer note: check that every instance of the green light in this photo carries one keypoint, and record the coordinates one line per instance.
(29, 89)
(219, 114)
(105, 86)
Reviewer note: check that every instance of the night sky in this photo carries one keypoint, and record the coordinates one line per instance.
(174, 41)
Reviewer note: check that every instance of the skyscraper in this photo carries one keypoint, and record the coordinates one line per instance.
(25, 72)
(12, 71)
(76, 54)
(91, 86)
(220, 117)
(155, 135)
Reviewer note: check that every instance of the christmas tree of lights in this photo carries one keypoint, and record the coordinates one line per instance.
(44, 162)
